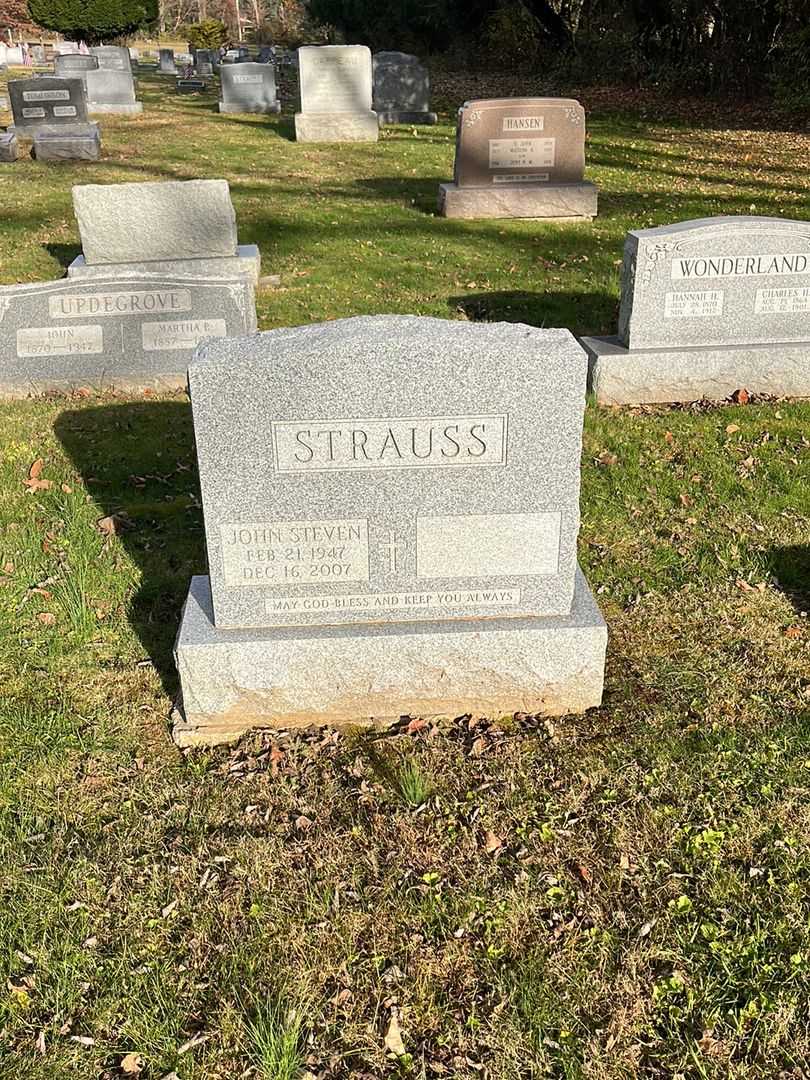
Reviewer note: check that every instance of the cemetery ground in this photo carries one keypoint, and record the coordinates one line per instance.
(615, 895)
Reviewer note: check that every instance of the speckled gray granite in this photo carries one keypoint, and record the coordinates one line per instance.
(121, 332)
(138, 222)
(401, 93)
(235, 680)
(247, 260)
(248, 88)
(637, 376)
(47, 100)
(389, 468)
(112, 91)
(9, 146)
(337, 127)
(555, 201)
(716, 281)
(81, 142)
(335, 88)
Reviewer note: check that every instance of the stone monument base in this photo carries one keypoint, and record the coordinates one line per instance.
(9, 147)
(621, 376)
(133, 108)
(399, 117)
(359, 675)
(80, 143)
(554, 201)
(247, 261)
(231, 107)
(337, 127)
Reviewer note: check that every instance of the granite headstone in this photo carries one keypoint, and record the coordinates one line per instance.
(248, 88)
(709, 307)
(47, 100)
(519, 157)
(125, 332)
(401, 89)
(166, 65)
(336, 89)
(401, 545)
(112, 90)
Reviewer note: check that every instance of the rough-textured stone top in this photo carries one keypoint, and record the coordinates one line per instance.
(110, 86)
(716, 281)
(390, 469)
(335, 78)
(401, 83)
(67, 63)
(47, 100)
(251, 84)
(175, 219)
(113, 57)
(520, 141)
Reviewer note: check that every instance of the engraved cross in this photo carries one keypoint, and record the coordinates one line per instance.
(394, 551)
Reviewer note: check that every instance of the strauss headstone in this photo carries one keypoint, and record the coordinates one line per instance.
(127, 332)
(519, 158)
(398, 545)
(709, 307)
(249, 88)
(169, 227)
(335, 82)
(401, 89)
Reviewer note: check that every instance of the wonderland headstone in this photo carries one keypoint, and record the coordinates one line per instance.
(335, 83)
(519, 157)
(709, 307)
(401, 89)
(248, 88)
(126, 332)
(398, 545)
(168, 227)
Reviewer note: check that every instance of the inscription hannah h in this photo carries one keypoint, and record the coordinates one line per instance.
(394, 443)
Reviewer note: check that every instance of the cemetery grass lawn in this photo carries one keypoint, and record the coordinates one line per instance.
(616, 895)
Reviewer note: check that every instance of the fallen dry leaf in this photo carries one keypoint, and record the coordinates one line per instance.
(417, 724)
(741, 396)
(793, 632)
(131, 1064)
(731, 428)
(492, 842)
(47, 618)
(393, 1038)
(34, 481)
(113, 524)
(606, 458)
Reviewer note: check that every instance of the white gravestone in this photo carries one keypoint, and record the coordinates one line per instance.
(336, 90)
(248, 88)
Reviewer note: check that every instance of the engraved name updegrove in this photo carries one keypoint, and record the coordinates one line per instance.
(152, 301)
(303, 446)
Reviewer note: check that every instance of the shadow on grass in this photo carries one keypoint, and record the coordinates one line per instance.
(541, 309)
(138, 462)
(791, 567)
(63, 253)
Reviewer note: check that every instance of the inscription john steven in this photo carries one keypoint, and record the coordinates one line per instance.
(295, 552)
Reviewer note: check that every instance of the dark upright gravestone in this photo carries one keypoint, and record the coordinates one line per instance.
(401, 89)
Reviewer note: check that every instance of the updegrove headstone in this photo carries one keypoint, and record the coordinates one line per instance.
(167, 227)
(709, 307)
(401, 89)
(519, 157)
(335, 83)
(115, 331)
(398, 545)
(248, 88)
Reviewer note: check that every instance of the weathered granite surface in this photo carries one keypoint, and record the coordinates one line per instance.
(112, 57)
(112, 90)
(248, 88)
(247, 260)
(336, 87)
(74, 66)
(138, 331)
(138, 222)
(233, 680)
(554, 201)
(9, 146)
(166, 65)
(47, 100)
(448, 487)
(716, 281)
(619, 375)
(401, 92)
(80, 142)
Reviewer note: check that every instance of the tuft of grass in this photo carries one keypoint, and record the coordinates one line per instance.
(412, 785)
(276, 1036)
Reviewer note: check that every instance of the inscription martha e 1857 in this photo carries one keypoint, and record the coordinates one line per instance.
(303, 446)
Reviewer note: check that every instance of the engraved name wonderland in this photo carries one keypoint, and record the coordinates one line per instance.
(740, 266)
(303, 446)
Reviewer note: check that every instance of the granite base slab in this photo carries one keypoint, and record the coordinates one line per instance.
(60, 144)
(247, 261)
(558, 202)
(9, 146)
(130, 109)
(401, 117)
(337, 127)
(361, 675)
(621, 376)
(231, 107)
